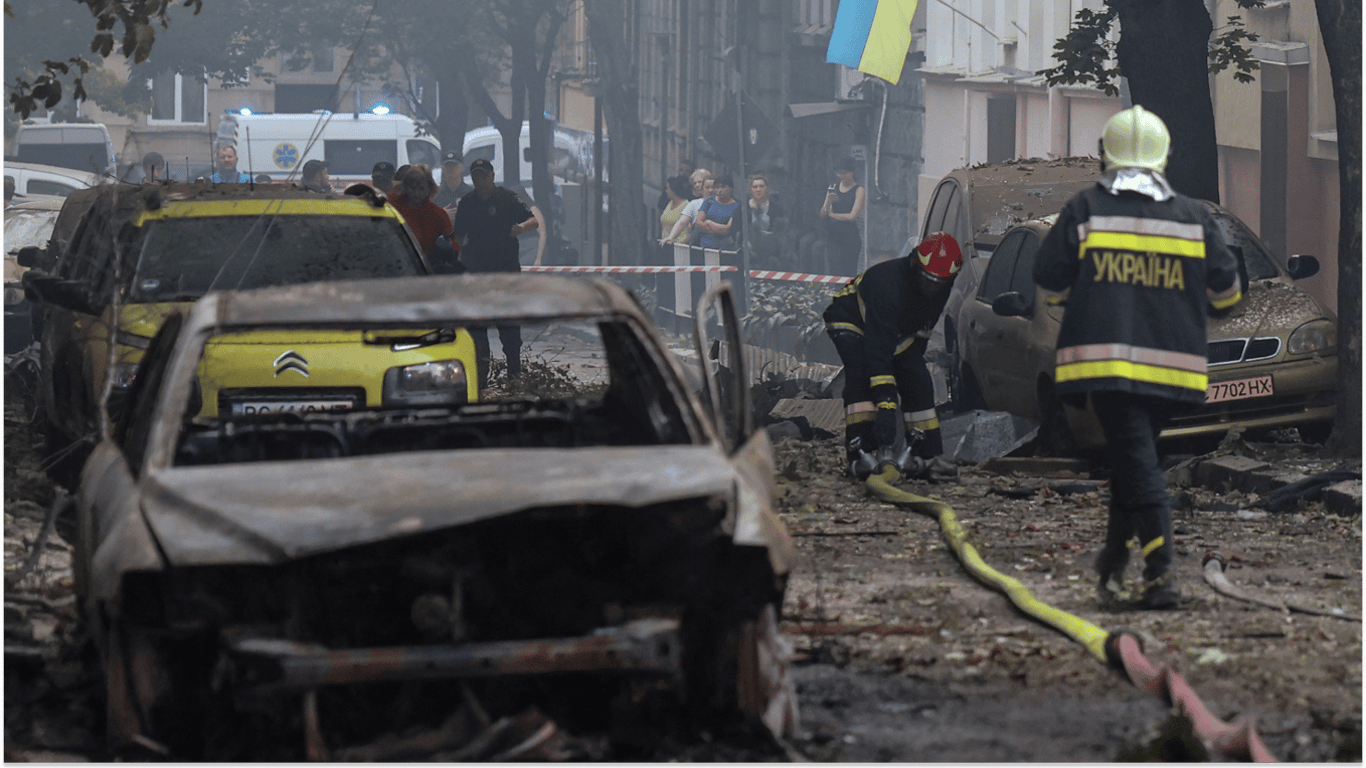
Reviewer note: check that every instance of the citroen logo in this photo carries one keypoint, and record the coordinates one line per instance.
(291, 361)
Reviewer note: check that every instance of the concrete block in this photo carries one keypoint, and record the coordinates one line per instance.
(1266, 480)
(1226, 472)
(1343, 498)
(989, 434)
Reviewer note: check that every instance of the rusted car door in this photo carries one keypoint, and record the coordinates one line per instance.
(108, 493)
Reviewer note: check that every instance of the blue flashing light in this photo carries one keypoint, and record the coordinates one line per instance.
(380, 108)
(244, 111)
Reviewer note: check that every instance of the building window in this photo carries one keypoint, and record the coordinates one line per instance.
(178, 98)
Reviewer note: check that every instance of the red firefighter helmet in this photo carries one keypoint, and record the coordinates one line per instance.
(939, 256)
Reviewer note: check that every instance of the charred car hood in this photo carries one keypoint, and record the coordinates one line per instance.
(1268, 308)
(270, 512)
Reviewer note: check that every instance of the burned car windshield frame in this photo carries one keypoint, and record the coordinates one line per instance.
(635, 400)
(181, 259)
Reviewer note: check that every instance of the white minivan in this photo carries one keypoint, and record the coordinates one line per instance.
(85, 147)
(571, 158)
(278, 145)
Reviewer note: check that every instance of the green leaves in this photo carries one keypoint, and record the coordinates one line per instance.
(1086, 54)
(135, 19)
(1228, 50)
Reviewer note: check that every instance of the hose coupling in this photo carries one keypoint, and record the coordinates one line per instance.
(1215, 555)
(863, 464)
(1112, 654)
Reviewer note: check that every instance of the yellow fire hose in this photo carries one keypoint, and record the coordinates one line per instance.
(1119, 649)
(1089, 635)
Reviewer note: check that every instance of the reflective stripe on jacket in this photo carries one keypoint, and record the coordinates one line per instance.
(886, 306)
(1138, 271)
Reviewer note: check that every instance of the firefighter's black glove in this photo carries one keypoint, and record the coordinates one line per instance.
(884, 429)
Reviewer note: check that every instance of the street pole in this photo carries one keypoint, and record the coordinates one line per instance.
(742, 210)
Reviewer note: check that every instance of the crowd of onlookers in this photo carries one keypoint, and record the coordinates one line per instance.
(702, 210)
(696, 208)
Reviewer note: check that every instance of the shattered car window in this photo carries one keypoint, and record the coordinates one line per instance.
(182, 259)
(286, 394)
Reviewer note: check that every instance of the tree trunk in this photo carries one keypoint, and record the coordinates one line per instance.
(1161, 43)
(542, 186)
(1340, 26)
(455, 110)
(620, 95)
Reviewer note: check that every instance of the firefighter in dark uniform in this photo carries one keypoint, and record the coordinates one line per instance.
(490, 218)
(1138, 266)
(880, 323)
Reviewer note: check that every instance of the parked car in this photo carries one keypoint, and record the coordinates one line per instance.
(596, 543)
(28, 224)
(1272, 358)
(140, 254)
(38, 179)
(977, 205)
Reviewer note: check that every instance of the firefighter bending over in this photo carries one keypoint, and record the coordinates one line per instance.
(880, 323)
(1137, 264)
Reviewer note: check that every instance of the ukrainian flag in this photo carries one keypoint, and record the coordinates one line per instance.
(872, 36)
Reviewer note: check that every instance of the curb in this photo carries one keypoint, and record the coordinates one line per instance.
(1240, 473)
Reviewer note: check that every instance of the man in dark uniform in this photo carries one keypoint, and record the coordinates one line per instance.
(880, 323)
(489, 219)
(453, 186)
(1137, 265)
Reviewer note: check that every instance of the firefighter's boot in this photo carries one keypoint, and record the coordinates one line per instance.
(1159, 580)
(1114, 556)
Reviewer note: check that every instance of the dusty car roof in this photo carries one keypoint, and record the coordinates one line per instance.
(1004, 194)
(35, 203)
(459, 298)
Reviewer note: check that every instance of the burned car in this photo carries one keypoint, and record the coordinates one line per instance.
(28, 224)
(599, 543)
(1272, 357)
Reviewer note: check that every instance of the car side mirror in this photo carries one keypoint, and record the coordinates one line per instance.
(1011, 304)
(41, 288)
(29, 256)
(1299, 266)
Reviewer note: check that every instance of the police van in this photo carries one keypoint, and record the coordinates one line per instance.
(278, 144)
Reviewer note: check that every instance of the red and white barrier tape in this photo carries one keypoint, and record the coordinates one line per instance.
(630, 270)
(760, 274)
(799, 277)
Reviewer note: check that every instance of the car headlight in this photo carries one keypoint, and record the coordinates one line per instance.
(1314, 336)
(123, 375)
(440, 382)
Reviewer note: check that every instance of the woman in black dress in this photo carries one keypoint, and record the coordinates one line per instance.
(843, 205)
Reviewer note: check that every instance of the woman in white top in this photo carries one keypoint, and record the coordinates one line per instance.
(701, 188)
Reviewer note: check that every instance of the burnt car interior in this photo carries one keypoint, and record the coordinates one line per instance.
(567, 410)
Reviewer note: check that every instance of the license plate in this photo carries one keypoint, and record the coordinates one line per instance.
(263, 407)
(1241, 389)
